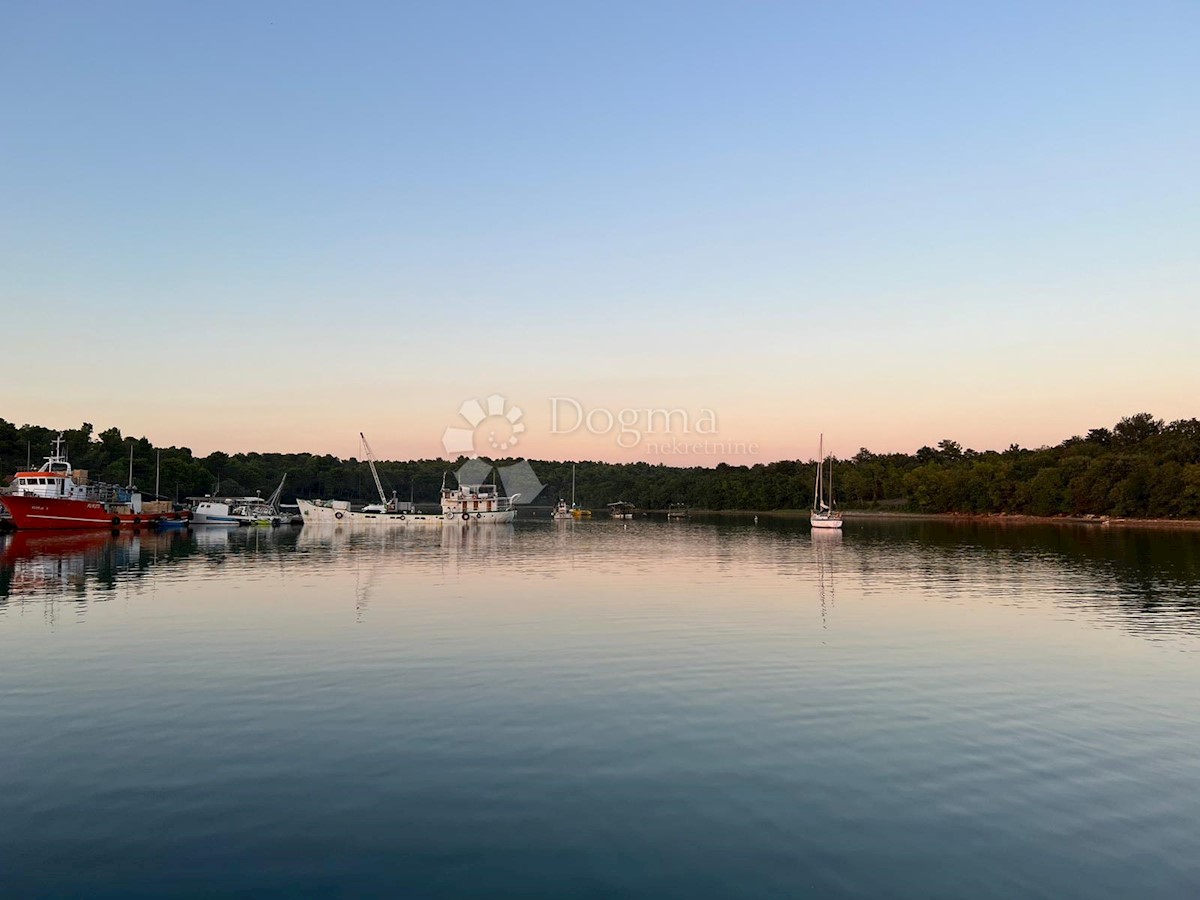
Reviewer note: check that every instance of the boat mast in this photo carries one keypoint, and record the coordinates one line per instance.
(818, 500)
(131, 465)
(831, 482)
(157, 467)
(572, 485)
(374, 473)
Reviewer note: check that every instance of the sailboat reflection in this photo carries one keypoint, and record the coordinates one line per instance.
(825, 544)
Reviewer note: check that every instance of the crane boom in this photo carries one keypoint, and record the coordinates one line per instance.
(374, 472)
(273, 502)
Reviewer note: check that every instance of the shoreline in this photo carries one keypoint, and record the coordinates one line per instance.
(971, 518)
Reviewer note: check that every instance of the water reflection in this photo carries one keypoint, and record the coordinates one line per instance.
(901, 710)
(825, 545)
(68, 563)
(1148, 581)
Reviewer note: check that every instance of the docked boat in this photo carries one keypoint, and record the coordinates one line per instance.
(576, 511)
(468, 504)
(342, 512)
(561, 511)
(257, 511)
(677, 511)
(55, 496)
(621, 510)
(477, 504)
(823, 514)
(212, 511)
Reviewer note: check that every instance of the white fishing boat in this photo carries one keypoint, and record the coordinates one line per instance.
(341, 512)
(823, 514)
(387, 513)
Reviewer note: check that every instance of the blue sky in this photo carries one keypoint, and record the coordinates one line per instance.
(891, 222)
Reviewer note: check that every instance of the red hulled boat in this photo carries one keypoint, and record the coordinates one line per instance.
(57, 496)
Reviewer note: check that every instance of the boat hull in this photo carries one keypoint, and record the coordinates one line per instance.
(320, 514)
(31, 513)
(819, 521)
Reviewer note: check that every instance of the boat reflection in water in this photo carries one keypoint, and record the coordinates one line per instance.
(342, 538)
(68, 563)
(826, 545)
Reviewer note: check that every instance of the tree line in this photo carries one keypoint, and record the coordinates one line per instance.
(1140, 467)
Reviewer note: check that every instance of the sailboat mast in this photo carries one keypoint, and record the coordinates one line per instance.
(831, 482)
(572, 484)
(157, 467)
(818, 493)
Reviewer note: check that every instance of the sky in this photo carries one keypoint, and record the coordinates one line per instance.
(271, 226)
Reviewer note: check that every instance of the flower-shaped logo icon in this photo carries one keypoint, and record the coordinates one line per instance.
(495, 426)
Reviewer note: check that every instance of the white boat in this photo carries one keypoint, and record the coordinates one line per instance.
(340, 512)
(212, 511)
(561, 510)
(823, 514)
(257, 511)
(387, 513)
(477, 504)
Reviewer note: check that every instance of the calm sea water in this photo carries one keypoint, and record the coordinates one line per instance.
(590, 710)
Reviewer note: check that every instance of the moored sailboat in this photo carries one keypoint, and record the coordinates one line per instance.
(823, 514)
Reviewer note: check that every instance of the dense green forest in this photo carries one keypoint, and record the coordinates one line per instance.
(1139, 467)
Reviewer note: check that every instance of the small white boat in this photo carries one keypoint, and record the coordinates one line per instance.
(561, 511)
(212, 511)
(823, 514)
